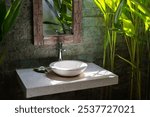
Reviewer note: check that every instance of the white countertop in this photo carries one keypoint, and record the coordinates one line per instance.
(40, 84)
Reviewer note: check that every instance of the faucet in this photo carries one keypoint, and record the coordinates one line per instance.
(60, 49)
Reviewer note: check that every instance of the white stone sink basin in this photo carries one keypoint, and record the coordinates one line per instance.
(68, 67)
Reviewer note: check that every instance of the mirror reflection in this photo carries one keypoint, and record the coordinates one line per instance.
(57, 17)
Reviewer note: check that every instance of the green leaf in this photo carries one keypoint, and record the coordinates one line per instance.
(147, 23)
(128, 26)
(2, 11)
(127, 61)
(68, 4)
(63, 11)
(2, 16)
(11, 15)
(101, 4)
(57, 5)
(141, 11)
(129, 4)
(141, 7)
(67, 17)
(113, 4)
(119, 11)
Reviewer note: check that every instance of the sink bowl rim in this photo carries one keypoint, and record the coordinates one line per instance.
(69, 72)
(53, 67)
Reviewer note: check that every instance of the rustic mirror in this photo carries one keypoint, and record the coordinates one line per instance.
(57, 19)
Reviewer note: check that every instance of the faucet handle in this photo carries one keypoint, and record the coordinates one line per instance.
(59, 42)
(64, 50)
(60, 46)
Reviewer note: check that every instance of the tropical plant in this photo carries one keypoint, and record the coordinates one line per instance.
(8, 13)
(135, 20)
(132, 17)
(62, 9)
(108, 9)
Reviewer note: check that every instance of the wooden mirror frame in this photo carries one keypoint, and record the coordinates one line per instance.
(39, 39)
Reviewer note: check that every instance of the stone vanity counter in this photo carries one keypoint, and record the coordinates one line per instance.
(40, 84)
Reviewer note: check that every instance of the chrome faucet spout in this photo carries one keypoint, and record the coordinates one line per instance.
(60, 50)
(60, 55)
